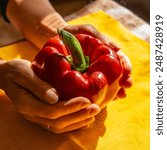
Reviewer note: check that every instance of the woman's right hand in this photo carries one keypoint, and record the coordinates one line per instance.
(38, 101)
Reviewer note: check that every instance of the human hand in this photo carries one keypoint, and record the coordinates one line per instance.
(32, 97)
(126, 81)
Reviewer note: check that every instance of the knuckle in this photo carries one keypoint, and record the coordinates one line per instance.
(12, 73)
(15, 72)
(89, 26)
(91, 29)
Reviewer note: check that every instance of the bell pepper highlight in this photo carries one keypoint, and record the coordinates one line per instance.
(79, 65)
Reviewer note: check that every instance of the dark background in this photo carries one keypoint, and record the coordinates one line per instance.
(139, 7)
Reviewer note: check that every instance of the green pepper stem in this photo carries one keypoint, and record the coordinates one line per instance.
(77, 59)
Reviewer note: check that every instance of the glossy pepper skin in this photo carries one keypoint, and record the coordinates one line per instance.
(57, 64)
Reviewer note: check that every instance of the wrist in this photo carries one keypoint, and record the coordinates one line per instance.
(53, 22)
(47, 28)
(37, 24)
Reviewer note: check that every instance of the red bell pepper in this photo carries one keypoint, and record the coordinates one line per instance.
(79, 65)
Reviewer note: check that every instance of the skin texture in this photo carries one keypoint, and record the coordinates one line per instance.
(35, 99)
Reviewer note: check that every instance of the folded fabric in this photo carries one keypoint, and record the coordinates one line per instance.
(123, 125)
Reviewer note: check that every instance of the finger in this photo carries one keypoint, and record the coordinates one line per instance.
(81, 115)
(114, 46)
(121, 93)
(28, 104)
(42, 90)
(80, 29)
(67, 120)
(77, 125)
(87, 29)
(26, 78)
(91, 30)
(126, 63)
(105, 40)
(127, 83)
(60, 129)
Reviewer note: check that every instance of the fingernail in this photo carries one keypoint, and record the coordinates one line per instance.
(51, 96)
(80, 101)
(94, 109)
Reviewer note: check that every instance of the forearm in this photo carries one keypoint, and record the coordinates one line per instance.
(36, 20)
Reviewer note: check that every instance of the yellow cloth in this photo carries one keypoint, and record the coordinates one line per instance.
(124, 125)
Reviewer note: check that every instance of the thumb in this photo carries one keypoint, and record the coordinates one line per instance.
(42, 90)
(27, 79)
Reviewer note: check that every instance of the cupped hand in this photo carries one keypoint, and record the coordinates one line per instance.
(126, 81)
(38, 101)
